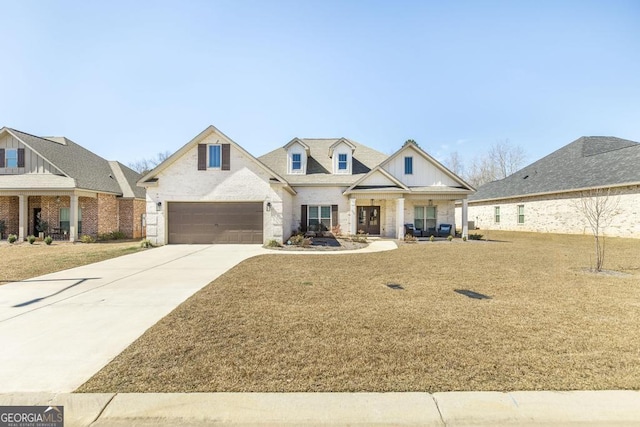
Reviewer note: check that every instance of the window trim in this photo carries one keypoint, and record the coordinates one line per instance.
(320, 217)
(344, 162)
(520, 215)
(496, 214)
(425, 216)
(7, 158)
(210, 159)
(294, 161)
(408, 165)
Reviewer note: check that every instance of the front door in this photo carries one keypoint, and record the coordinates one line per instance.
(369, 219)
(37, 216)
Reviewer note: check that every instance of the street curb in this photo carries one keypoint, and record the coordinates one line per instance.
(520, 408)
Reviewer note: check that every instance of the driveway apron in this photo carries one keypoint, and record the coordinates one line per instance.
(59, 329)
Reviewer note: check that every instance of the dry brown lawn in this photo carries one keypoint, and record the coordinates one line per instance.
(23, 261)
(286, 323)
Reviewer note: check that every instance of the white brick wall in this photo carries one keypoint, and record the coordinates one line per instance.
(556, 214)
(245, 182)
(320, 196)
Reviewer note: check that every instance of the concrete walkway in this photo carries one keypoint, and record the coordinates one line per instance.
(59, 329)
(576, 408)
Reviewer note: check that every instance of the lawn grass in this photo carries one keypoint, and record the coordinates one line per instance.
(286, 323)
(23, 261)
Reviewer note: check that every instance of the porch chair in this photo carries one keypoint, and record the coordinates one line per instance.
(444, 230)
(412, 231)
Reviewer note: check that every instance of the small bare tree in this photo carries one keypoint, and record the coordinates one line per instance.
(145, 165)
(454, 163)
(506, 158)
(599, 207)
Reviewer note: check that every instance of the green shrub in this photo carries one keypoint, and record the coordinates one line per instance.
(273, 244)
(48, 240)
(146, 243)
(87, 239)
(449, 237)
(113, 235)
(31, 239)
(296, 239)
(410, 238)
(431, 239)
(464, 238)
(12, 238)
(475, 236)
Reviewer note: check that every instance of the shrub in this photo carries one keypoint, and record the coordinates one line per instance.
(273, 244)
(12, 238)
(296, 239)
(31, 239)
(48, 240)
(475, 236)
(87, 239)
(113, 235)
(336, 230)
(409, 238)
(464, 238)
(431, 239)
(449, 237)
(146, 243)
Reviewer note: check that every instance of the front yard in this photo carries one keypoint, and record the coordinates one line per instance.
(287, 323)
(23, 261)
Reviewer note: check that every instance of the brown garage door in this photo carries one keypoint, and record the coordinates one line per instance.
(205, 222)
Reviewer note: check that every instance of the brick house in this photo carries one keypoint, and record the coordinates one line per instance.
(56, 185)
(544, 196)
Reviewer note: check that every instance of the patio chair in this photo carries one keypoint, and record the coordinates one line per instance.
(412, 231)
(444, 230)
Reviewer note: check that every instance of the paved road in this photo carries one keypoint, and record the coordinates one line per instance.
(57, 330)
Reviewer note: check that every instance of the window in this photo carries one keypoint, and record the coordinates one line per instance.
(520, 214)
(408, 165)
(65, 220)
(296, 162)
(342, 162)
(215, 158)
(425, 218)
(497, 214)
(11, 158)
(319, 218)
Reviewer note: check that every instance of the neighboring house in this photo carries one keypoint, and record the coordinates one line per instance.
(74, 191)
(544, 196)
(213, 191)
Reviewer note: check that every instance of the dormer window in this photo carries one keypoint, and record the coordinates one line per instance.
(342, 162)
(296, 162)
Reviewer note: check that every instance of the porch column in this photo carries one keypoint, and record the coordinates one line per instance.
(465, 219)
(400, 218)
(353, 215)
(23, 201)
(73, 218)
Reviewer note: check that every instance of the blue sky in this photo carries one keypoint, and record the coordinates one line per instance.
(130, 79)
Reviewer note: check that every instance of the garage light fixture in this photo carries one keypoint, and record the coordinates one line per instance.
(268, 206)
(159, 206)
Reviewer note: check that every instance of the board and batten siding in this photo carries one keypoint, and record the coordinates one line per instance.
(424, 173)
(33, 163)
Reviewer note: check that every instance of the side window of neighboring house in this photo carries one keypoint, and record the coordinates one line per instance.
(520, 214)
(215, 157)
(408, 165)
(65, 220)
(319, 218)
(497, 214)
(11, 158)
(296, 162)
(342, 162)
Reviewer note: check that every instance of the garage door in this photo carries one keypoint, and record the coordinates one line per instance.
(195, 222)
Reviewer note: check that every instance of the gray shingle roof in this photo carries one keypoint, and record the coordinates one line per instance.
(319, 164)
(90, 171)
(590, 161)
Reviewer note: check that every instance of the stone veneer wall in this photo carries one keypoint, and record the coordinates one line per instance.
(556, 214)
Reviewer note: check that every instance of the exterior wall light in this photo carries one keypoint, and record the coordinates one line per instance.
(159, 206)
(268, 206)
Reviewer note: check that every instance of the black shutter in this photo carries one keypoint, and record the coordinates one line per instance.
(334, 215)
(20, 157)
(202, 157)
(226, 157)
(303, 218)
(1, 157)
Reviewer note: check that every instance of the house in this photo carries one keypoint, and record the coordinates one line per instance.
(213, 191)
(545, 195)
(56, 184)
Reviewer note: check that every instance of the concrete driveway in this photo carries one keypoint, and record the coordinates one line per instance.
(57, 330)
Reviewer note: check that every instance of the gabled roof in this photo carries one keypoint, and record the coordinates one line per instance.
(152, 176)
(413, 146)
(588, 162)
(390, 182)
(87, 169)
(298, 141)
(320, 165)
(341, 141)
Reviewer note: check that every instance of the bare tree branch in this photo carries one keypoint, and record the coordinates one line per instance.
(143, 166)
